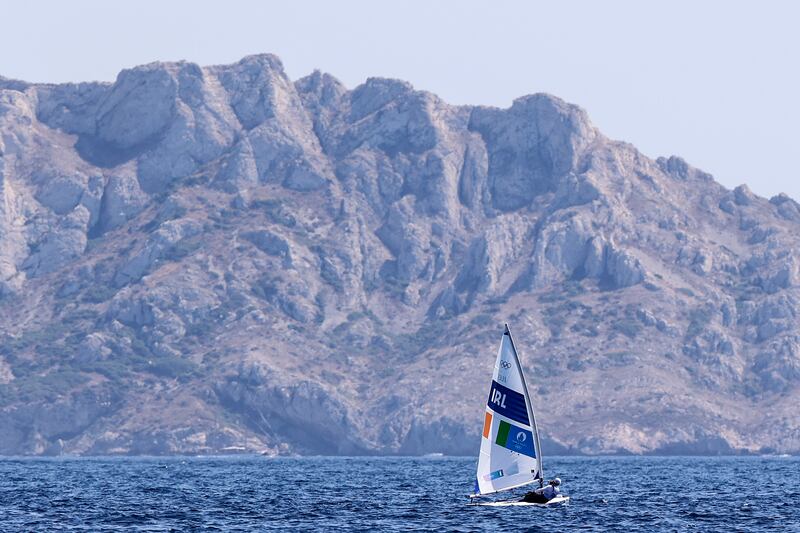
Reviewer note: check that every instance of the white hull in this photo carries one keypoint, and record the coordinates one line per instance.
(555, 502)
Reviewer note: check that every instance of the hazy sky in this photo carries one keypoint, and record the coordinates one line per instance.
(717, 83)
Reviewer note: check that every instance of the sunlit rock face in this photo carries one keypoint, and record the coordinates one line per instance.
(221, 260)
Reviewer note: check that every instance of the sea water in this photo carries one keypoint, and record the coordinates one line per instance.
(392, 494)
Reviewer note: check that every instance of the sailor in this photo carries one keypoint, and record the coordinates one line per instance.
(544, 494)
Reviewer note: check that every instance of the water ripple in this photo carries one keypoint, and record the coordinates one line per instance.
(390, 494)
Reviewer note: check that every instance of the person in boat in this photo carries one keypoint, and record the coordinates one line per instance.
(544, 494)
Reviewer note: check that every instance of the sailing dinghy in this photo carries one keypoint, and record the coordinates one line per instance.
(510, 454)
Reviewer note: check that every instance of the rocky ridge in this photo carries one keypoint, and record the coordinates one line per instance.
(218, 259)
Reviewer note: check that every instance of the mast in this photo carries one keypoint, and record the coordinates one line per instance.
(529, 407)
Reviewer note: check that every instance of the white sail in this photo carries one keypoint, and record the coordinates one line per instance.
(510, 449)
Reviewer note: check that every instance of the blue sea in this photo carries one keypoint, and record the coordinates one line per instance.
(392, 494)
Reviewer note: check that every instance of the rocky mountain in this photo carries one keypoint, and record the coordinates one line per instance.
(219, 259)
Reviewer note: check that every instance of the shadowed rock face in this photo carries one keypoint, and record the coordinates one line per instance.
(218, 259)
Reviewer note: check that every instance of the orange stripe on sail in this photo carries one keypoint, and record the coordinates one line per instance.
(487, 425)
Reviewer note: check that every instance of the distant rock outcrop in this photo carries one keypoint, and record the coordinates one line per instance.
(218, 259)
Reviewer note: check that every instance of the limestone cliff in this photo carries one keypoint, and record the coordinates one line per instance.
(218, 259)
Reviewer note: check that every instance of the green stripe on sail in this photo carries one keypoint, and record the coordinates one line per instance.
(502, 433)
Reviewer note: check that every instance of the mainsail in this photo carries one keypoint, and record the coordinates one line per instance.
(510, 453)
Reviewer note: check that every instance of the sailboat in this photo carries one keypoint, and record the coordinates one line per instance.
(510, 455)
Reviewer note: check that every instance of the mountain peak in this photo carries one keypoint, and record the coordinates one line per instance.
(195, 258)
